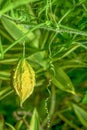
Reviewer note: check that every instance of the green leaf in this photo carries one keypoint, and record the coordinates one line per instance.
(1, 122)
(85, 98)
(81, 114)
(40, 59)
(34, 124)
(16, 30)
(4, 75)
(61, 80)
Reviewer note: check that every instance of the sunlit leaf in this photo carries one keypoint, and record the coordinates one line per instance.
(16, 30)
(62, 81)
(81, 114)
(34, 124)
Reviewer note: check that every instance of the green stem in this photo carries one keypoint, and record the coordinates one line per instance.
(53, 100)
(10, 126)
(8, 93)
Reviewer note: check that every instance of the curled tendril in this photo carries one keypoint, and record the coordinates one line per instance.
(46, 109)
(18, 15)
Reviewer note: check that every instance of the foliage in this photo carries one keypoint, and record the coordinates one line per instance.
(51, 35)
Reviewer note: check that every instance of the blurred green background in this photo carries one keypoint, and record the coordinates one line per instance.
(52, 35)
